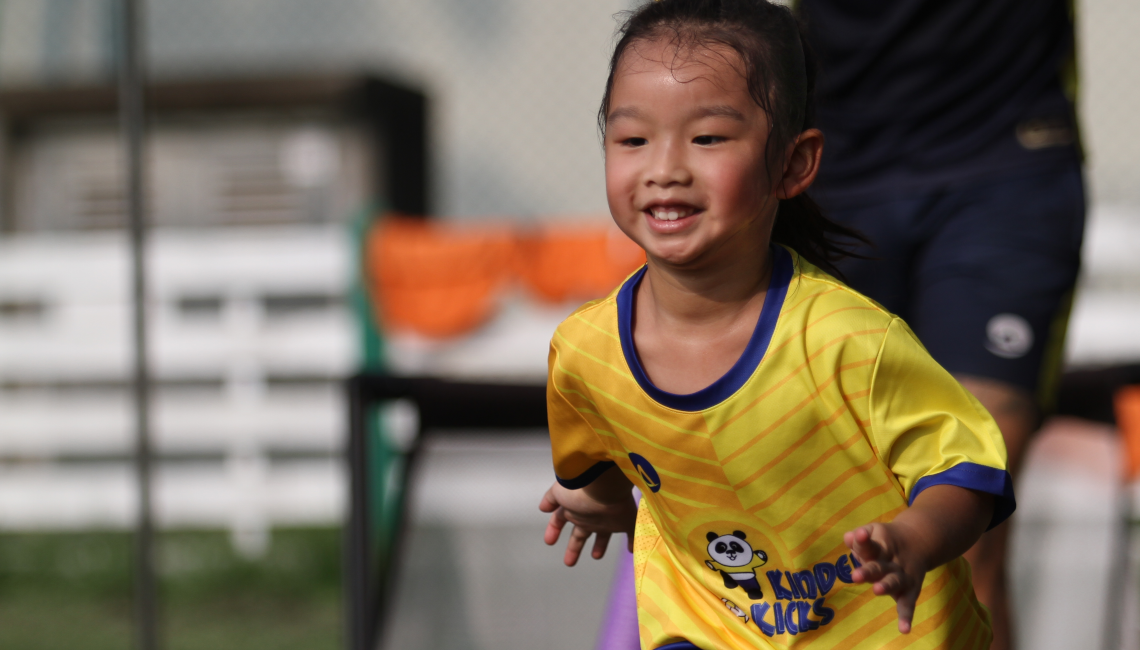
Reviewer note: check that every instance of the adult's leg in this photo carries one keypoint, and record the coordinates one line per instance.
(1016, 414)
(992, 290)
(983, 276)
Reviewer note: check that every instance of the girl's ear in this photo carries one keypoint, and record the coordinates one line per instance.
(802, 164)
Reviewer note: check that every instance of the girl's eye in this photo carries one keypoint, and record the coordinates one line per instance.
(705, 140)
(634, 142)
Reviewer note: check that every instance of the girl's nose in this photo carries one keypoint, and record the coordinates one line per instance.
(668, 166)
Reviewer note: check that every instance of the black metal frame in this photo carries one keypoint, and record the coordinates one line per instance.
(443, 406)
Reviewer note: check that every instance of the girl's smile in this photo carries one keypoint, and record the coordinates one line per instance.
(670, 217)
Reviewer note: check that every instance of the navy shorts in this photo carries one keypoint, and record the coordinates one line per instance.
(983, 273)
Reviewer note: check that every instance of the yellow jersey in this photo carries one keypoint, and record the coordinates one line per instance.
(835, 416)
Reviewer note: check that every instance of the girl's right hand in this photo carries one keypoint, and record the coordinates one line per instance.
(589, 516)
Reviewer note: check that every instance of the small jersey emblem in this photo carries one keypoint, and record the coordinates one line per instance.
(648, 474)
(733, 557)
(1009, 336)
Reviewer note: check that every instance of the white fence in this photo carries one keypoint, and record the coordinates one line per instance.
(250, 336)
(1105, 326)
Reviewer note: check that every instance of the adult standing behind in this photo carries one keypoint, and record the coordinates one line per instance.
(951, 144)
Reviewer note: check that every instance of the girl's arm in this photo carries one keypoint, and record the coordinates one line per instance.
(943, 523)
(602, 508)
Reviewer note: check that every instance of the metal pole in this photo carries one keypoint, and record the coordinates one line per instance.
(1120, 570)
(132, 117)
(358, 565)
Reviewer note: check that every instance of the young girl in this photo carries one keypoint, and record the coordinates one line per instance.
(799, 452)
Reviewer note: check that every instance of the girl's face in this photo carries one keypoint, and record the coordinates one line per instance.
(685, 156)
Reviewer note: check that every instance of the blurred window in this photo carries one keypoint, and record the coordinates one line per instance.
(238, 169)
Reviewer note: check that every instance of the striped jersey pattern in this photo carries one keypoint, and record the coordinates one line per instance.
(834, 417)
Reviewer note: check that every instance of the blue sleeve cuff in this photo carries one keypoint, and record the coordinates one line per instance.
(587, 477)
(975, 477)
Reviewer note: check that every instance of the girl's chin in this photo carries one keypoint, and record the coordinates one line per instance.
(674, 256)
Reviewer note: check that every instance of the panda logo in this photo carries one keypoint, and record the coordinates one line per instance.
(732, 556)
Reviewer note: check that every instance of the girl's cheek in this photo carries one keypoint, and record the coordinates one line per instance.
(620, 179)
(741, 179)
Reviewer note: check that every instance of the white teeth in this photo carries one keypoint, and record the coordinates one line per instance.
(671, 215)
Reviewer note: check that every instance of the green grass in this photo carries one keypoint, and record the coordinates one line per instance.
(73, 591)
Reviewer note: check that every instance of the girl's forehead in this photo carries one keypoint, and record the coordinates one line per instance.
(684, 61)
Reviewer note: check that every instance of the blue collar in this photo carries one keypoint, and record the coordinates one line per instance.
(745, 366)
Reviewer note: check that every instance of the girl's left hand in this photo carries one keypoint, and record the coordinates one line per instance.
(891, 570)
(588, 516)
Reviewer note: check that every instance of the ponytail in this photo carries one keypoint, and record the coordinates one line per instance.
(802, 226)
(800, 223)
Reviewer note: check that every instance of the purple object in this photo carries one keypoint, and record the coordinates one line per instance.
(619, 628)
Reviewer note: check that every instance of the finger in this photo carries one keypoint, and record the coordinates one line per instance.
(892, 584)
(849, 538)
(905, 607)
(554, 527)
(865, 548)
(869, 572)
(601, 542)
(574, 546)
(548, 503)
(875, 572)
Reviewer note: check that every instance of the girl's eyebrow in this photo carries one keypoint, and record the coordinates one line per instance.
(720, 110)
(624, 112)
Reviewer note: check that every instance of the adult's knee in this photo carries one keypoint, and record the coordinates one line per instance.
(1012, 407)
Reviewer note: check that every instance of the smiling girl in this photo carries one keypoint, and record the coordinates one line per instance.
(799, 452)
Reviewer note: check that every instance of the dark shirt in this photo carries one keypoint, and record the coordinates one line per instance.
(919, 94)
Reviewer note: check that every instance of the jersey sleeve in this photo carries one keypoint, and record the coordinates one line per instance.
(932, 431)
(579, 455)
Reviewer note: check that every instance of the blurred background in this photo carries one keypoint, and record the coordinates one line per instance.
(279, 130)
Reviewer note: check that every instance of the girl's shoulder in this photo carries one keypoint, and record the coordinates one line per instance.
(601, 317)
(596, 319)
(822, 305)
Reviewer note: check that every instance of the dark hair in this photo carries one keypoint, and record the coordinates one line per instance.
(780, 71)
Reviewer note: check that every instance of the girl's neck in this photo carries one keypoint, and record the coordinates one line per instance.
(707, 294)
(691, 326)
